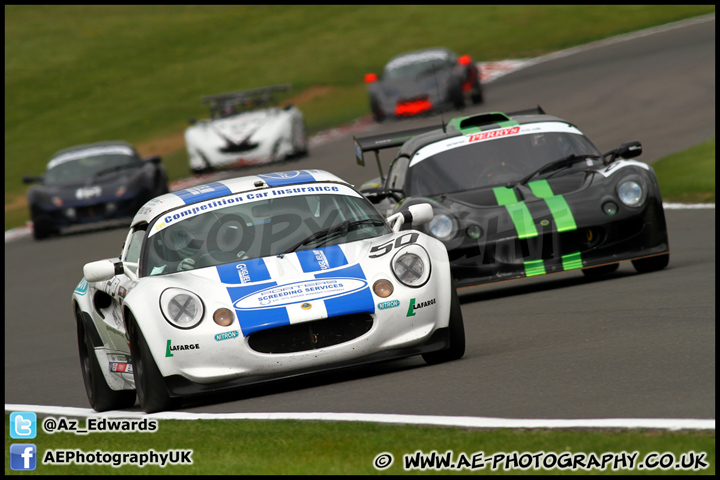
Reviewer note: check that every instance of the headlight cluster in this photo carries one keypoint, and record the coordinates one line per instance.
(411, 266)
(181, 308)
(631, 192)
(442, 226)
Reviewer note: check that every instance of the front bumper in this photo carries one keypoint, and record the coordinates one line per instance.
(598, 240)
(89, 212)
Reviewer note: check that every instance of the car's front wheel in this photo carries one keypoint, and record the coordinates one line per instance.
(101, 397)
(456, 335)
(601, 270)
(651, 264)
(150, 385)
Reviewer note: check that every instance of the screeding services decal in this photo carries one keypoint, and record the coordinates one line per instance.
(331, 293)
(307, 291)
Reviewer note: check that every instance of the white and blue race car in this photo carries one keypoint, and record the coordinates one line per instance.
(256, 278)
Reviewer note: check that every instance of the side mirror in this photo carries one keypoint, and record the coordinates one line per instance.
(156, 159)
(630, 149)
(28, 180)
(418, 214)
(101, 270)
(421, 213)
(626, 150)
(192, 121)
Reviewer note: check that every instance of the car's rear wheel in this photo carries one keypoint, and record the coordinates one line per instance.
(478, 94)
(601, 270)
(456, 335)
(150, 385)
(100, 395)
(651, 264)
(300, 141)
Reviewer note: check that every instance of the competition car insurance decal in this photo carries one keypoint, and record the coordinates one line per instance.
(210, 193)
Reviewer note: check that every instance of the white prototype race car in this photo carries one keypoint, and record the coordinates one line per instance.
(256, 278)
(245, 128)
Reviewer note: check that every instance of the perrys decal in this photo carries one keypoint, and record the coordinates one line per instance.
(227, 335)
(503, 132)
(307, 291)
(174, 348)
(416, 306)
(389, 304)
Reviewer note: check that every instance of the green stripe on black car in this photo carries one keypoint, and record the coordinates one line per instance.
(557, 204)
(519, 213)
(525, 227)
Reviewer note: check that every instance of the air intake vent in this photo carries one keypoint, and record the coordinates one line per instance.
(482, 120)
(311, 335)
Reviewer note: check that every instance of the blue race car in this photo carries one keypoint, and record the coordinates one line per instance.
(92, 183)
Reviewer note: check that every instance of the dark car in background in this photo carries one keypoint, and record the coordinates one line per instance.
(523, 194)
(424, 81)
(93, 183)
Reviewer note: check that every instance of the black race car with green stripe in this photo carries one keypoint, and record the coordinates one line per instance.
(523, 194)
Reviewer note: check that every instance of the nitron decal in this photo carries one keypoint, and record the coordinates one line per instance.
(389, 304)
(227, 335)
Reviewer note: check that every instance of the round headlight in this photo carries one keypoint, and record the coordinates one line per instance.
(630, 193)
(441, 226)
(610, 208)
(223, 317)
(474, 232)
(411, 266)
(182, 309)
(383, 288)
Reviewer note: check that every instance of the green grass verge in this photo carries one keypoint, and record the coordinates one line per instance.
(688, 176)
(311, 448)
(80, 74)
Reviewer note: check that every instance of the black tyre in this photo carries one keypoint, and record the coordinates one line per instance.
(478, 94)
(457, 335)
(150, 386)
(651, 264)
(41, 231)
(101, 397)
(601, 270)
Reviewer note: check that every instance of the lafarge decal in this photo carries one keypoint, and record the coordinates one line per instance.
(307, 291)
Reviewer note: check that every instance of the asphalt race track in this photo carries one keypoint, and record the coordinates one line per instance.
(559, 346)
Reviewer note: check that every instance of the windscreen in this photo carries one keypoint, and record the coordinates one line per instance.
(222, 231)
(494, 162)
(411, 66)
(82, 165)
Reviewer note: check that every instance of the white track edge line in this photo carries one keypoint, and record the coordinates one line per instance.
(435, 420)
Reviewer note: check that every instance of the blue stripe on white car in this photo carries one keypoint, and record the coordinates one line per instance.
(321, 258)
(264, 303)
(287, 178)
(203, 192)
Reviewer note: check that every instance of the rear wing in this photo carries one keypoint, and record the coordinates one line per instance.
(257, 96)
(376, 143)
